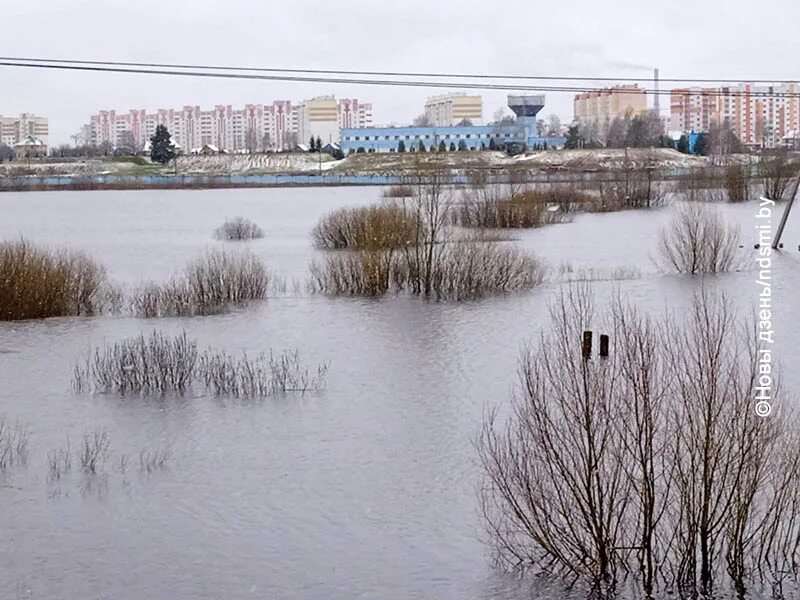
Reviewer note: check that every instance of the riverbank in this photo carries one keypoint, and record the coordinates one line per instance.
(293, 169)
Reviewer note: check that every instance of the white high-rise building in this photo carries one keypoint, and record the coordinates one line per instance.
(14, 130)
(760, 116)
(448, 110)
(254, 128)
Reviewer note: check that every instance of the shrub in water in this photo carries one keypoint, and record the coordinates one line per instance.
(378, 227)
(209, 284)
(36, 283)
(238, 228)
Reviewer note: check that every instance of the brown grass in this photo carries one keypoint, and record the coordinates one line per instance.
(36, 283)
(210, 284)
(387, 225)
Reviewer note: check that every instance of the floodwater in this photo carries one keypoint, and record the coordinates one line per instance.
(364, 490)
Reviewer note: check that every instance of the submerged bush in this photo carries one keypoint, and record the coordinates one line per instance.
(238, 228)
(209, 284)
(360, 273)
(36, 283)
(398, 191)
(473, 270)
(157, 365)
(378, 227)
(226, 375)
(466, 270)
(699, 240)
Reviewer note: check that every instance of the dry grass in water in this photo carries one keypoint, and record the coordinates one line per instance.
(384, 226)
(94, 452)
(699, 240)
(157, 365)
(360, 273)
(470, 271)
(266, 375)
(152, 365)
(488, 208)
(209, 284)
(36, 283)
(237, 229)
(59, 462)
(567, 272)
(13, 444)
(151, 461)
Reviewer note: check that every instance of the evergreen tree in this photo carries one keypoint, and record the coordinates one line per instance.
(319, 144)
(421, 146)
(492, 144)
(462, 146)
(442, 146)
(700, 145)
(161, 149)
(311, 144)
(573, 138)
(683, 144)
(401, 146)
(452, 147)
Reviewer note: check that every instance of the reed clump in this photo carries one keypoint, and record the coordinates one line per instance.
(266, 375)
(13, 443)
(487, 208)
(210, 284)
(387, 225)
(238, 228)
(149, 365)
(37, 283)
(157, 365)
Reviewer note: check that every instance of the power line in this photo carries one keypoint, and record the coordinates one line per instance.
(391, 82)
(387, 73)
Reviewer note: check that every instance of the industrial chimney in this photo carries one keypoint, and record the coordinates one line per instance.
(656, 104)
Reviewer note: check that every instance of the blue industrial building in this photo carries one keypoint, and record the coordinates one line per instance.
(522, 132)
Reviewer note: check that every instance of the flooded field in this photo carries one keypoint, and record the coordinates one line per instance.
(367, 489)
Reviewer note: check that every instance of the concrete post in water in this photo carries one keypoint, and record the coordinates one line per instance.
(604, 346)
(586, 348)
(776, 241)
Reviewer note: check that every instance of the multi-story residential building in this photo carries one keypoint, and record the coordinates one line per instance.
(451, 109)
(760, 116)
(14, 130)
(600, 107)
(254, 128)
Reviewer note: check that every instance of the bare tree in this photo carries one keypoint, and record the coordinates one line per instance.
(422, 120)
(699, 240)
(780, 173)
(553, 125)
(650, 465)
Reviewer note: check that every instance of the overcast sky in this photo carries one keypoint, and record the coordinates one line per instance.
(735, 39)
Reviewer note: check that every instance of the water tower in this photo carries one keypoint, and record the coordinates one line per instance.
(526, 108)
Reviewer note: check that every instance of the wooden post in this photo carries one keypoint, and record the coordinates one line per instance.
(586, 348)
(603, 346)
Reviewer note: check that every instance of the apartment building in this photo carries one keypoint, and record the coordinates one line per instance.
(448, 110)
(253, 128)
(15, 130)
(760, 116)
(600, 107)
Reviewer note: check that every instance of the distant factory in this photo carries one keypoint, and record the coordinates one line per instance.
(452, 126)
